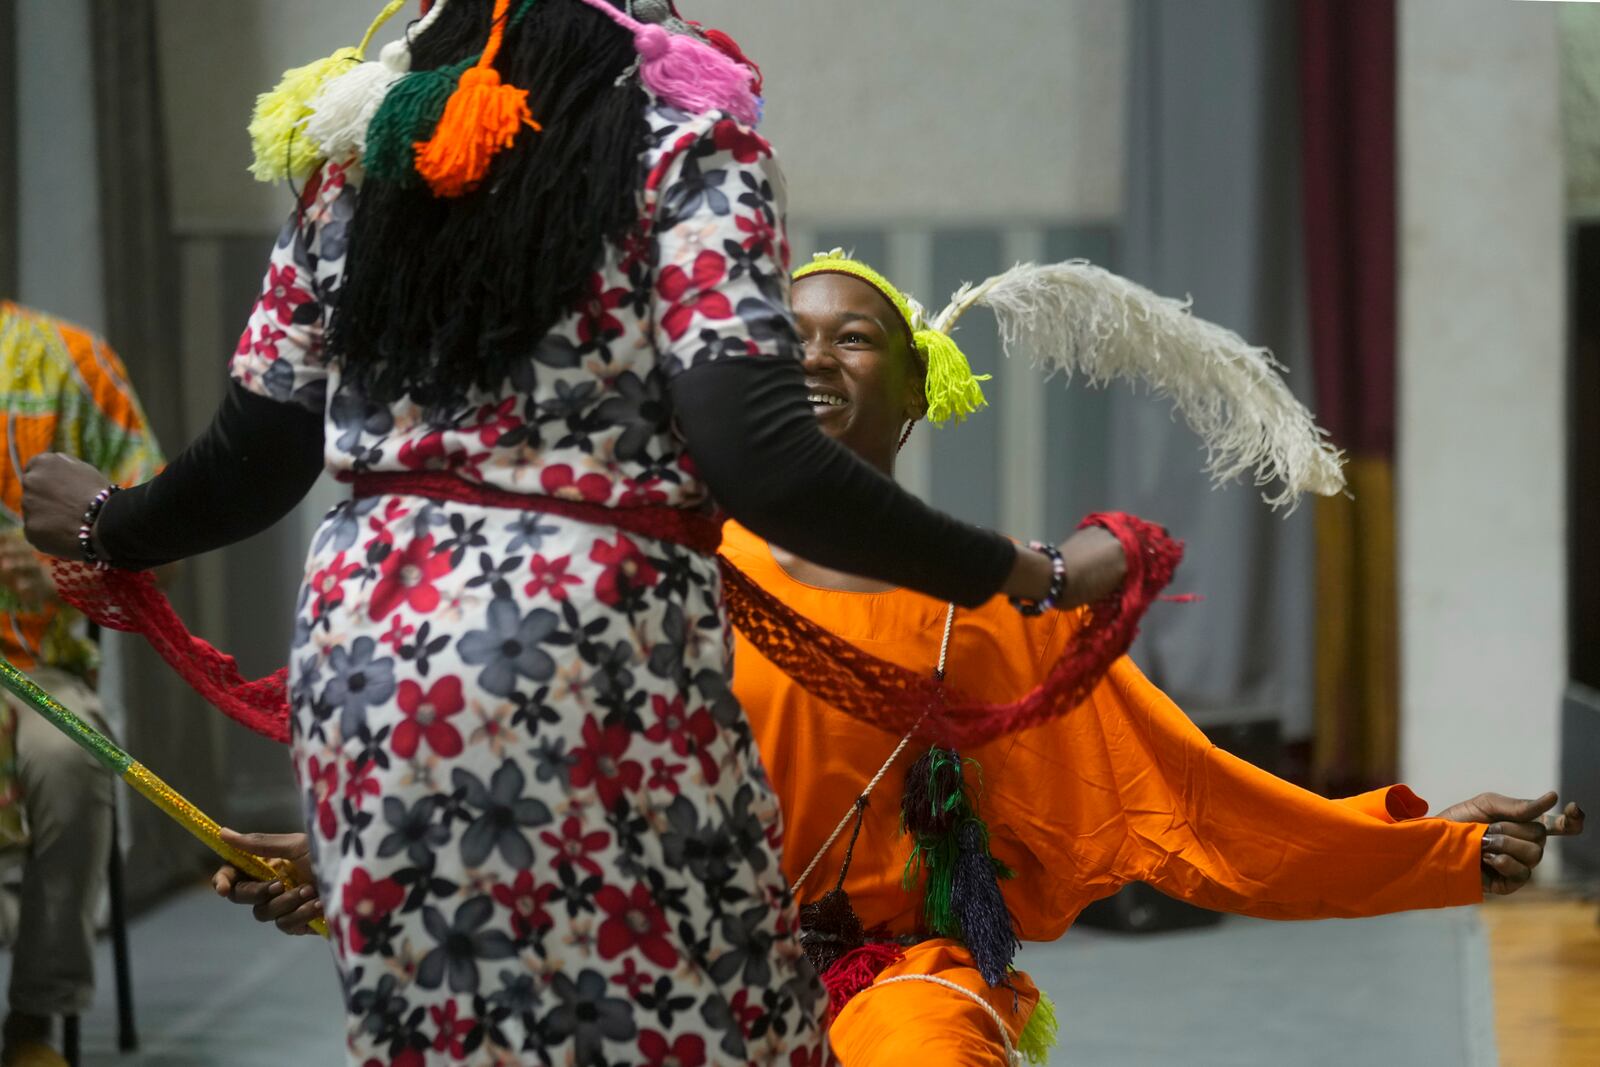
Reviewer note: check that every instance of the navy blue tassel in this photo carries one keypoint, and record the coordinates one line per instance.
(986, 924)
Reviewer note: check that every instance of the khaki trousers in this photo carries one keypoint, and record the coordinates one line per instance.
(67, 797)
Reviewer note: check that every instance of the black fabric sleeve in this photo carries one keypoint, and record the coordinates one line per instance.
(255, 462)
(756, 443)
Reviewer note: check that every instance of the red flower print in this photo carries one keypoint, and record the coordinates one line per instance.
(452, 1032)
(595, 310)
(283, 293)
(550, 576)
(744, 1011)
(366, 903)
(626, 569)
(641, 493)
(575, 847)
(408, 577)
(430, 454)
(746, 145)
(598, 762)
(632, 979)
(327, 585)
(633, 921)
(558, 480)
(495, 421)
(692, 294)
(664, 775)
(526, 902)
(688, 1051)
(324, 787)
(397, 633)
(760, 235)
(359, 783)
(687, 733)
(426, 715)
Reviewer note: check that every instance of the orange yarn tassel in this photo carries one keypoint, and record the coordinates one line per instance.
(482, 118)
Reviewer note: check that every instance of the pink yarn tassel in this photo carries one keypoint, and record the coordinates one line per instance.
(692, 75)
(686, 72)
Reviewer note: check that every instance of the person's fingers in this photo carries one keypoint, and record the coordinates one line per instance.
(275, 846)
(1567, 822)
(1525, 851)
(1510, 870)
(1517, 809)
(253, 892)
(283, 903)
(299, 920)
(1527, 831)
(223, 880)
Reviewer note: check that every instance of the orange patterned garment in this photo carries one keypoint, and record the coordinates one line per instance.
(1124, 788)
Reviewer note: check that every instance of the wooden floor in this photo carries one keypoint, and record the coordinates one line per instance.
(1545, 956)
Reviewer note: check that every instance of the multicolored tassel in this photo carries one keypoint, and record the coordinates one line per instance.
(408, 114)
(950, 856)
(686, 72)
(277, 127)
(481, 119)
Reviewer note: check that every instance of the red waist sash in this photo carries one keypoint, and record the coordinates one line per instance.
(827, 666)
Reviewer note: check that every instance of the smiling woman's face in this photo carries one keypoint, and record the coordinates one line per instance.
(862, 377)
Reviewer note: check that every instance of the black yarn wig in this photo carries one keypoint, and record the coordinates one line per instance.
(440, 296)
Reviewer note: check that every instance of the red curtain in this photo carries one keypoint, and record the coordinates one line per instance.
(1347, 87)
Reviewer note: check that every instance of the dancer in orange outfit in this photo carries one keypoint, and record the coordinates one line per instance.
(1124, 788)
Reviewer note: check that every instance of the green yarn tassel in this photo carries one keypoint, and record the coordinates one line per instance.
(1039, 1036)
(933, 862)
(409, 114)
(952, 389)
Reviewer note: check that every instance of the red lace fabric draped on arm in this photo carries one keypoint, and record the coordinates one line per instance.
(129, 601)
(829, 667)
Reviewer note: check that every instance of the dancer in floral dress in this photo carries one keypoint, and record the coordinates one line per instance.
(539, 822)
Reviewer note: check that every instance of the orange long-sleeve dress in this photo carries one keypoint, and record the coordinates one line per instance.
(1123, 788)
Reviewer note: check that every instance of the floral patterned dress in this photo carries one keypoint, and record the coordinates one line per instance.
(540, 825)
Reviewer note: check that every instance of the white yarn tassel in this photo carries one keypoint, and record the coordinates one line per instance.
(1076, 318)
(341, 113)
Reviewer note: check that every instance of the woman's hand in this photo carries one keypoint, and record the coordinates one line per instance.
(1513, 844)
(56, 490)
(289, 909)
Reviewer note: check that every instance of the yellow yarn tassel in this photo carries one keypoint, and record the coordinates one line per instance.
(952, 389)
(483, 117)
(277, 127)
(1038, 1036)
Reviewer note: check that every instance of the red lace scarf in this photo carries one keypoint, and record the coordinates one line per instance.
(828, 667)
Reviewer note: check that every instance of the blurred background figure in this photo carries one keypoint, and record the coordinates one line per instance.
(61, 389)
(1401, 197)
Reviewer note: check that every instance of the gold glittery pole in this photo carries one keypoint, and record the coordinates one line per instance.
(145, 782)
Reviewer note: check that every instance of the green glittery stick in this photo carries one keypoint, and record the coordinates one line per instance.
(111, 756)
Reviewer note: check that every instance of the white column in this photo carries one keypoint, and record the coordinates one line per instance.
(1481, 487)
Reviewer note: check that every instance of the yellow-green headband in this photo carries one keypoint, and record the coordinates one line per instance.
(952, 389)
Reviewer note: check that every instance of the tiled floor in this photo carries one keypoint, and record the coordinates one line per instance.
(212, 988)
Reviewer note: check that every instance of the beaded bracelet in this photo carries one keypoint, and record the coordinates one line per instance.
(86, 528)
(1058, 583)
